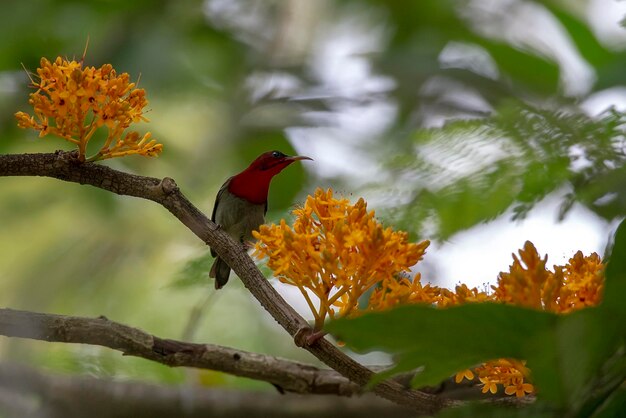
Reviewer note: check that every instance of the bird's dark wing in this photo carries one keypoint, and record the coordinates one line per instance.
(217, 201)
(218, 197)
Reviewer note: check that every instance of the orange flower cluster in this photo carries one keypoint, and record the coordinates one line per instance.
(511, 374)
(72, 102)
(337, 251)
(402, 291)
(578, 284)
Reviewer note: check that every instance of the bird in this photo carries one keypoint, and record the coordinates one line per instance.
(241, 204)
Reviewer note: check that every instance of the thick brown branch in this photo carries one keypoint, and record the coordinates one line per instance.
(287, 375)
(26, 392)
(62, 165)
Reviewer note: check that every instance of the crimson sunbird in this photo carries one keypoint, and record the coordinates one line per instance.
(241, 204)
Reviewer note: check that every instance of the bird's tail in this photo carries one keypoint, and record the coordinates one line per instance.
(220, 271)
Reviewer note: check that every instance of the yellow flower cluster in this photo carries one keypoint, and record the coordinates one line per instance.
(337, 251)
(402, 291)
(509, 373)
(529, 283)
(532, 286)
(72, 102)
(577, 284)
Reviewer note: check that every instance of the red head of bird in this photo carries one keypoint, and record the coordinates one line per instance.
(253, 183)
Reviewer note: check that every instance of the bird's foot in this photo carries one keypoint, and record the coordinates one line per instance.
(307, 336)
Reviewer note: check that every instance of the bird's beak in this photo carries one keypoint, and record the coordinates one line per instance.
(298, 158)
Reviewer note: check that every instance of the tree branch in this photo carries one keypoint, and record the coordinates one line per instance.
(64, 166)
(57, 396)
(288, 375)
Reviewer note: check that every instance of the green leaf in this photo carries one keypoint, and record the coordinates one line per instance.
(564, 352)
(444, 341)
(565, 360)
(615, 293)
(614, 406)
(532, 70)
(582, 35)
(605, 391)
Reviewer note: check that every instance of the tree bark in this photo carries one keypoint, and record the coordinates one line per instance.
(286, 375)
(27, 393)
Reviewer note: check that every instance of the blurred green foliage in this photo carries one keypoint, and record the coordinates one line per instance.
(538, 151)
(481, 120)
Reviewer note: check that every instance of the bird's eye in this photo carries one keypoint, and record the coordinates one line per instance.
(277, 154)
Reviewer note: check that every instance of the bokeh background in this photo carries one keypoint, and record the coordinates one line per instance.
(477, 124)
